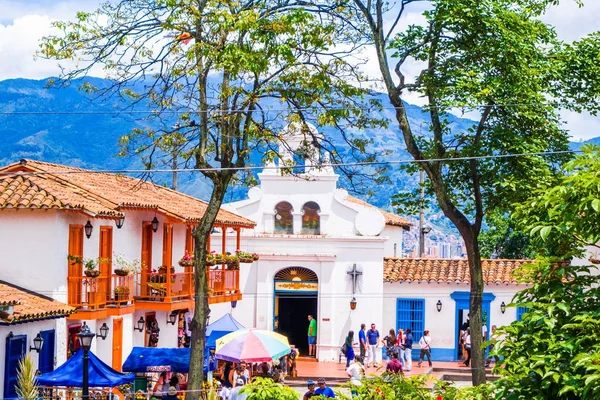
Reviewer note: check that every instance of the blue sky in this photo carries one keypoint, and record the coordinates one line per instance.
(24, 22)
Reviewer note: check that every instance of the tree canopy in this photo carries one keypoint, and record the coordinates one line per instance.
(494, 59)
(220, 79)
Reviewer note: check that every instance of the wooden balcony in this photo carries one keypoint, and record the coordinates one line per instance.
(89, 296)
(120, 298)
(164, 291)
(224, 285)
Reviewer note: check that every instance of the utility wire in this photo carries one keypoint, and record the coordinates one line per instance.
(291, 167)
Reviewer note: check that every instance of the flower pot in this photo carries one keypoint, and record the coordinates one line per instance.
(121, 272)
(594, 260)
(210, 263)
(246, 260)
(92, 273)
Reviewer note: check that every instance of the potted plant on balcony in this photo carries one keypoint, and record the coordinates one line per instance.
(220, 259)
(121, 293)
(232, 261)
(75, 259)
(255, 256)
(187, 260)
(211, 259)
(163, 269)
(91, 267)
(244, 257)
(124, 267)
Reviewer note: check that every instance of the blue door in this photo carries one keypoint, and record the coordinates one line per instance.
(15, 350)
(47, 353)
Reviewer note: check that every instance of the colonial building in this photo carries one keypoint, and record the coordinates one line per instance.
(331, 255)
(56, 221)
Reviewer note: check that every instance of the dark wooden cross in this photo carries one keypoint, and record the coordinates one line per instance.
(354, 274)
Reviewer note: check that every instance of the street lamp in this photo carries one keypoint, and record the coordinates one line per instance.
(85, 338)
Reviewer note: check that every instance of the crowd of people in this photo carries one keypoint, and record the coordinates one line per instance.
(397, 347)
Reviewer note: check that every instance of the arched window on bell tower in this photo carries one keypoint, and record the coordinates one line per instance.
(311, 221)
(284, 220)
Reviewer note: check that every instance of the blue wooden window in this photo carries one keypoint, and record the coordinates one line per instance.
(520, 312)
(410, 313)
(15, 350)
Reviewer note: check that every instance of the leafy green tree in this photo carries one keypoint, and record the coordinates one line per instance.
(554, 351)
(220, 79)
(495, 59)
(502, 239)
(566, 215)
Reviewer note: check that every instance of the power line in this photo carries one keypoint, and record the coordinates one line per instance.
(291, 167)
(196, 112)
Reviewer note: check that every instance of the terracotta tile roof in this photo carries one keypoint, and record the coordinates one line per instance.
(102, 194)
(436, 270)
(29, 306)
(390, 218)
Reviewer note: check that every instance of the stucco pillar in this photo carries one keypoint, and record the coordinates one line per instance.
(269, 221)
(297, 222)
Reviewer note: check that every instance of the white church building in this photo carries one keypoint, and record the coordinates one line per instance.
(333, 256)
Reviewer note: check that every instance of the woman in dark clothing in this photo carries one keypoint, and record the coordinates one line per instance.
(226, 373)
(349, 350)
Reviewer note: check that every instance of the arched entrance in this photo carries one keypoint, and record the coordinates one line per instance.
(296, 293)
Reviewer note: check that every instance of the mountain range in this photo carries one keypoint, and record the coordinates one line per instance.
(64, 125)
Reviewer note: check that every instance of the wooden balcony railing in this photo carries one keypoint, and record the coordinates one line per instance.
(87, 293)
(165, 286)
(223, 282)
(123, 288)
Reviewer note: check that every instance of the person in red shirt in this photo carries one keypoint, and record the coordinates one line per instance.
(394, 365)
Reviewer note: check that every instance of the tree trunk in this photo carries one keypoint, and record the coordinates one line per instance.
(475, 314)
(201, 308)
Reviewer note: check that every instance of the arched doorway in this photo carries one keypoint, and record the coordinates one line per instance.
(296, 294)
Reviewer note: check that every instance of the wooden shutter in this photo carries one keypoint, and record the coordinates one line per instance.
(105, 254)
(15, 350)
(46, 361)
(75, 269)
(117, 353)
(167, 245)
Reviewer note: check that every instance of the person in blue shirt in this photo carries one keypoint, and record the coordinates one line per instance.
(324, 390)
(373, 342)
(408, 342)
(362, 342)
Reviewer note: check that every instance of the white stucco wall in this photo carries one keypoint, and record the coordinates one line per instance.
(442, 325)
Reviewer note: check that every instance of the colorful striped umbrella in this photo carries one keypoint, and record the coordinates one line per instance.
(252, 345)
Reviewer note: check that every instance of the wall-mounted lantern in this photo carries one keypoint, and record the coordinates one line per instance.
(172, 318)
(438, 305)
(119, 223)
(38, 342)
(140, 325)
(155, 224)
(503, 307)
(88, 229)
(103, 331)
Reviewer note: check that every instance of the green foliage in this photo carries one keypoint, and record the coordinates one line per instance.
(503, 239)
(566, 215)
(265, 389)
(552, 353)
(27, 388)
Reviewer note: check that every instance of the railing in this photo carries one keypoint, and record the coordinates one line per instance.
(122, 290)
(85, 292)
(164, 286)
(223, 281)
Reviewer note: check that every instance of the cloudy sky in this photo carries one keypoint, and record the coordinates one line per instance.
(23, 23)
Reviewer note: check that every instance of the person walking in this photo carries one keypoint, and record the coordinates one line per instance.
(408, 344)
(312, 336)
(491, 347)
(362, 342)
(468, 346)
(373, 341)
(349, 349)
(425, 344)
(356, 372)
(400, 346)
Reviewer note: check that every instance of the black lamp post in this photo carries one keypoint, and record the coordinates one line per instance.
(438, 305)
(119, 223)
(85, 338)
(88, 229)
(503, 308)
(37, 343)
(155, 224)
